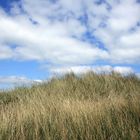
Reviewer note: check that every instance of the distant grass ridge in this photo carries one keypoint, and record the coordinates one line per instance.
(87, 107)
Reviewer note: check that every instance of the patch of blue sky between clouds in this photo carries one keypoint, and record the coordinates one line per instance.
(6, 5)
(33, 21)
(89, 37)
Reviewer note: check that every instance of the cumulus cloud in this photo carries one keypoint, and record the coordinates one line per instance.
(96, 69)
(12, 81)
(16, 80)
(121, 33)
(52, 44)
(55, 32)
(122, 13)
(5, 52)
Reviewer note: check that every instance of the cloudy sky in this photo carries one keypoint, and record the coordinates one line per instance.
(39, 38)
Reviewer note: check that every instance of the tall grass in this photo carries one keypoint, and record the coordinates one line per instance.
(88, 107)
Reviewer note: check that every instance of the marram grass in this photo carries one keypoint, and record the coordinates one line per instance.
(87, 107)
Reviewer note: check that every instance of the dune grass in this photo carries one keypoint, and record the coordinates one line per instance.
(87, 107)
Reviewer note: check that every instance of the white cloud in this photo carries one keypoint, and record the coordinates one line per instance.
(52, 39)
(5, 52)
(124, 16)
(52, 44)
(96, 69)
(16, 81)
(121, 34)
(131, 39)
(123, 70)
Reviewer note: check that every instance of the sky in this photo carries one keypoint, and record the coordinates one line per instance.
(42, 38)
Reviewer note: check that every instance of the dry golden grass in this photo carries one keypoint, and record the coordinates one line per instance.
(89, 107)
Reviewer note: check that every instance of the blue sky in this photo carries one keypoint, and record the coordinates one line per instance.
(39, 39)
